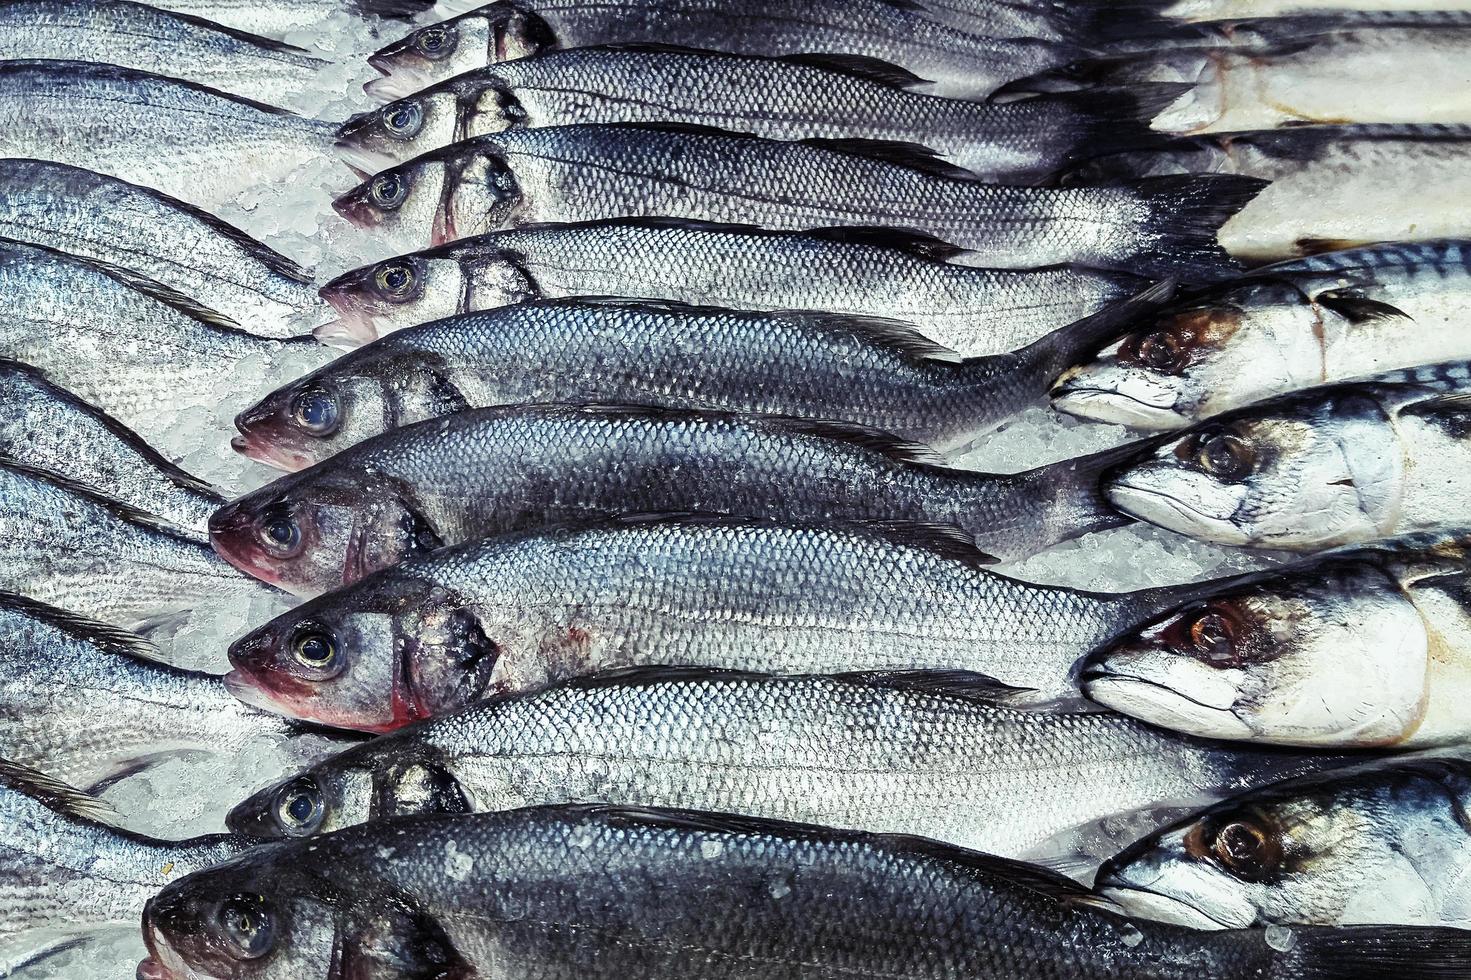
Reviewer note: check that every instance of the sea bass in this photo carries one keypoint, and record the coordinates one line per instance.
(1381, 843)
(277, 19)
(794, 97)
(1288, 326)
(1163, 226)
(174, 244)
(956, 62)
(858, 272)
(583, 892)
(482, 471)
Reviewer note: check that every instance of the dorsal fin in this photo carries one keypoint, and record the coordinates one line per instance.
(859, 66)
(911, 155)
(53, 794)
(654, 674)
(946, 683)
(267, 43)
(117, 508)
(866, 437)
(105, 636)
(912, 242)
(1357, 308)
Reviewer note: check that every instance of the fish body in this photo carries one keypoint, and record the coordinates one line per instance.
(862, 273)
(275, 19)
(797, 97)
(1208, 10)
(569, 174)
(1322, 319)
(103, 218)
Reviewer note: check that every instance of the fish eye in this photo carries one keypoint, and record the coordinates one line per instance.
(1225, 457)
(245, 923)
(279, 533)
(299, 809)
(1210, 633)
(314, 647)
(436, 42)
(1246, 849)
(1161, 351)
(389, 191)
(395, 280)
(404, 119)
(315, 411)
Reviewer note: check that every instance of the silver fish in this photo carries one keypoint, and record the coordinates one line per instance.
(276, 18)
(1289, 326)
(51, 429)
(1332, 186)
(858, 272)
(1364, 649)
(447, 481)
(1208, 10)
(956, 62)
(174, 244)
(1336, 465)
(596, 892)
(793, 97)
(183, 139)
(143, 38)
(1164, 226)
(1382, 843)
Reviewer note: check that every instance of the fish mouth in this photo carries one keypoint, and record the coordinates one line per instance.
(248, 559)
(1153, 507)
(1113, 406)
(1153, 702)
(395, 83)
(277, 457)
(238, 683)
(355, 208)
(163, 962)
(1148, 904)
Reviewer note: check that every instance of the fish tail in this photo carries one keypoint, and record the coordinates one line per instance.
(1376, 953)
(392, 9)
(1098, 123)
(1105, 21)
(1176, 233)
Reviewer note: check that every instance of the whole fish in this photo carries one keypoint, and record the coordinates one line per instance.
(1363, 649)
(1331, 186)
(793, 97)
(853, 271)
(174, 244)
(515, 612)
(1329, 466)
(955, 62)
(139, 351)
(1381, 843)
(277, 19)
(562, 892)
(1288, 326)
(1164, 226)
(51, 429)
(118, 122)
(629, 352)
(914, 754)
(147, 39)
(482, 471)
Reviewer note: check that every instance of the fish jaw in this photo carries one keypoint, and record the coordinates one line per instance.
(251, 446)
(1146, 904)
(1170, 691)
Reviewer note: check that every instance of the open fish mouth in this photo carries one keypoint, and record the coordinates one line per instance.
(396, 83)
(269, 453)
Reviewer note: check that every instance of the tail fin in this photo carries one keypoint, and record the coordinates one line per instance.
(1103, 122)
(1177, 236)
(1376, 953)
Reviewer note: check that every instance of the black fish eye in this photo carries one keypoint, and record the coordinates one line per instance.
(389, 191)
(315, 411)
(314, 648)
(299, 809)
(436, 42)
(395, 280)
(245, 923)
(1211, 635)
(1226, 457)
(1246, 849)
(280, 533)
(1161, 351)
(403, 120)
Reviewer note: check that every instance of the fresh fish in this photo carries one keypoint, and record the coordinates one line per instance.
(150, 234)
(563, 892)
(853, 271)
(1207, 10)
(1164, 226)
(1335, 465)
(138, 351)
(1363, 649)
(1081, 22)
(185, 140)
(51, 429)
(1332, 186)
(1382, 843)
(277, 18)
(794, 97)
(487, 470)
(668, 354)
(1289, 326)
(146, 39)
(956, 62)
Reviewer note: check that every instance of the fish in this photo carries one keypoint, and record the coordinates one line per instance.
(136, 350)
(954, 62)
(920, 754)
(792, 97)
(51, 429)
(1208, 10)
(882, 273)
(117, 122)
(1336, 465)
(1331, 186)
(669, 354)
(487, 470)
(1163, 226)
(1294, 325)
(276, 19)
(1358, 649)
(587, 891)
(1384, 842)
(110, 221)
(143, 38)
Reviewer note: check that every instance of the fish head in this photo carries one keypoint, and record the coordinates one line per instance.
(404, 205)
(493, 33)
(1368, 844)
(411, 289)
(1302, 472)
(1332, 655)
(402, 130)
(1235, 346)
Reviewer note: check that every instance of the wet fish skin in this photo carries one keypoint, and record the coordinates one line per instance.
(662, 894)
(796, 97)
(862, 273)
(1384, 842)
(1289, 326)
(482, 471)
(567, 174)
(98, 217)
(275, 19)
